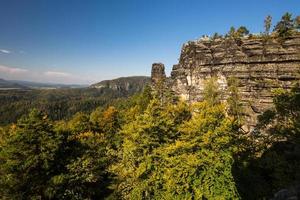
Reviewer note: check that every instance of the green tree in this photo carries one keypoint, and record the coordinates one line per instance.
(273, 164)
(216, 36)
(28, 158)
(95, 117)
(241, 31)
(267, 24)
(138, 161)
(145, 98)
(284, 119)
(234, 101)
(237, 33)
(197, 165)
(107, 122)
(285, 26)
(84, 174)
(200, 162)
(80, 122)
(179, 152)
(211, 92)
(163, 92)
(231, 32)
(42, 161)
(297, 22)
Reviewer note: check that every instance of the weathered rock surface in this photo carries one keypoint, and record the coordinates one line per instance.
(158, 72)
(260, 65)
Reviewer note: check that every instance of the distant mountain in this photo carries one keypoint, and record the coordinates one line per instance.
(129, 84)
(38, 85)
(20, 84)
(4, 84)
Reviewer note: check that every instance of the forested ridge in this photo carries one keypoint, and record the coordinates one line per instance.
(153, 146)
(59, 104)
(102, 144)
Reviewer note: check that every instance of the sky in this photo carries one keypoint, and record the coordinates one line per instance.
(86, 41)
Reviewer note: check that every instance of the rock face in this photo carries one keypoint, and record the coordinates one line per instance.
(158, 72)
(259, 64)
(130, 84)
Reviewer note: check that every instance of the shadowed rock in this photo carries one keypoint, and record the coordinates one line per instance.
(158, 73)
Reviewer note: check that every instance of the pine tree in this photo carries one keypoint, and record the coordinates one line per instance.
(235, 108)
(285, 26)
(267, 24)
(242, 31)
(84, 174)
(211, 92)
(297, 23)
(28, 158)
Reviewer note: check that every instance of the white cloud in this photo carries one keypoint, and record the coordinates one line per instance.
(12, 70)
(14, 73)
(5, 51)
(57, 74)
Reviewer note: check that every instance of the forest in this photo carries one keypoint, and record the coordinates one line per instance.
(58, 104)
(154, 146)
(82, 144)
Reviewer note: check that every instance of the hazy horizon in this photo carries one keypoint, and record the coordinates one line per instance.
(84, 42)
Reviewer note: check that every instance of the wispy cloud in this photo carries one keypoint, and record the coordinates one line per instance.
(57, 74)
(12, 70)
(14, 73)
(5, 51)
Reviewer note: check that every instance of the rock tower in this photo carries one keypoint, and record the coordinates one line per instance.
(158, 73)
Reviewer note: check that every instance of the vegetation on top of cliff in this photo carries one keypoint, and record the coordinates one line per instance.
(286, 27)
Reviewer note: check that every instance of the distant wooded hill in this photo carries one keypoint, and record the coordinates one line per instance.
(4, 84)
(63, 103)
(20, 84)
(131, 83)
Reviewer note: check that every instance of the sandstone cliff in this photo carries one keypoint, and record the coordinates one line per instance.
(130, 84)
(260, 64)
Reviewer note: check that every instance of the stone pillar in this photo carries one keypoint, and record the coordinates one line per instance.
(158, 73)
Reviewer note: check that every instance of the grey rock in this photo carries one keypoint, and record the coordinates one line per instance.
(157, 72)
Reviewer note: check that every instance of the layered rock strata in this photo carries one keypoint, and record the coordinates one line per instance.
(260, 65)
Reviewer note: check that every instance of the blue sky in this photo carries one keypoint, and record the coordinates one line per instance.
(85, 41)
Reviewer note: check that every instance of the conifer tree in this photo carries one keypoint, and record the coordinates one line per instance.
(285, 26)
(297, 23)
(267, 24)
(28, 158)
(234, 101)
(211, 92)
